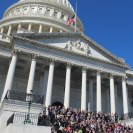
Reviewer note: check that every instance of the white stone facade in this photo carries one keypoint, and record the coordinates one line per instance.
(107, 73)
(46, 57)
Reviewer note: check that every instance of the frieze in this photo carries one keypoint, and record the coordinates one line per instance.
(78, 46)
(65, 3)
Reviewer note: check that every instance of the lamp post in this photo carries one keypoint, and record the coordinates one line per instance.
(132, 104)
(29, 99)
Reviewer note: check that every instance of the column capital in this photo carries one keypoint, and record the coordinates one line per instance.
(99, 72)
(124, 78)
(10, 25)
(68, 64)
(52, 60)
(84, 69)
(15, 52)
(111, 75)
(34, 57)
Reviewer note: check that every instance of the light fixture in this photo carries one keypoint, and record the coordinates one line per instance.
(29, 99)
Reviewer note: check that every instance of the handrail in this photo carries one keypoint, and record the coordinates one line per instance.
(19, 118)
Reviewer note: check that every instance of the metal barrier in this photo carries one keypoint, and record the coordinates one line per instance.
(19, 118)
(21, 96)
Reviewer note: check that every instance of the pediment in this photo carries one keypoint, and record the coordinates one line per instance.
(78, 44)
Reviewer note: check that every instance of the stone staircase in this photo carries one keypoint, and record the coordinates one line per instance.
(14, 128)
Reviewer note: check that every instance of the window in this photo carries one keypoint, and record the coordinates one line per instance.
(48, 12)
(62, 16)
(55, 14)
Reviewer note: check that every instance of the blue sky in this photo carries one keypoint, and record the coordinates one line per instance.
(108, 22)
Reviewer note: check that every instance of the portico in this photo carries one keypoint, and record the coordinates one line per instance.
(41, 54)
(73, 84)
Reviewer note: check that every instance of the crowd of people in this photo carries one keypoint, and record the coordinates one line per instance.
(75, 121)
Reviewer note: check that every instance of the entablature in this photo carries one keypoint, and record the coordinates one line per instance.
(62, 55)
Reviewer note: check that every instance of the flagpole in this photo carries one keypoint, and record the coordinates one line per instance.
(76, 16)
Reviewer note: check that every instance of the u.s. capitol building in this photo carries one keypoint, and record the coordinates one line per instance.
(40, 53)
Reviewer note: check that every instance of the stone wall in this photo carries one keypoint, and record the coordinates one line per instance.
(12, 128)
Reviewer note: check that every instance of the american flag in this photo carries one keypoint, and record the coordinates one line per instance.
(71, 20)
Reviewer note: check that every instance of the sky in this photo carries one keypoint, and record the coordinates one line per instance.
(107, 22)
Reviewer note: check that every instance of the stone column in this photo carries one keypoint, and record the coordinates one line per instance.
(2, 30)
(10, 75)
(125, 96)
(9, 30)
(29, 27)
(99, 99)
(83, 91)
(32, 74)
(112, 94)
(19, 26)
(67, 86)
(49, 85)
(90, 104)
(40, 28)
(116, 99)
(51, 29)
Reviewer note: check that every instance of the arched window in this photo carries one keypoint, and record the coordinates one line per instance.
(40, 10)
(48, 12)
(55, 14)
(62, 16)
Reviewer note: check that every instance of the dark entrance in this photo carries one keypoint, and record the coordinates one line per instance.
(57, 103)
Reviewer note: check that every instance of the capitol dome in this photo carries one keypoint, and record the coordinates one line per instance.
(39, 16)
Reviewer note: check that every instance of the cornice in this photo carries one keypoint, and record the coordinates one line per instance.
(36, 43)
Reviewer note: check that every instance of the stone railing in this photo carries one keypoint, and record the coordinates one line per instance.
(19, 118)
(4, 37)
(21, 96)
(126, 116)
